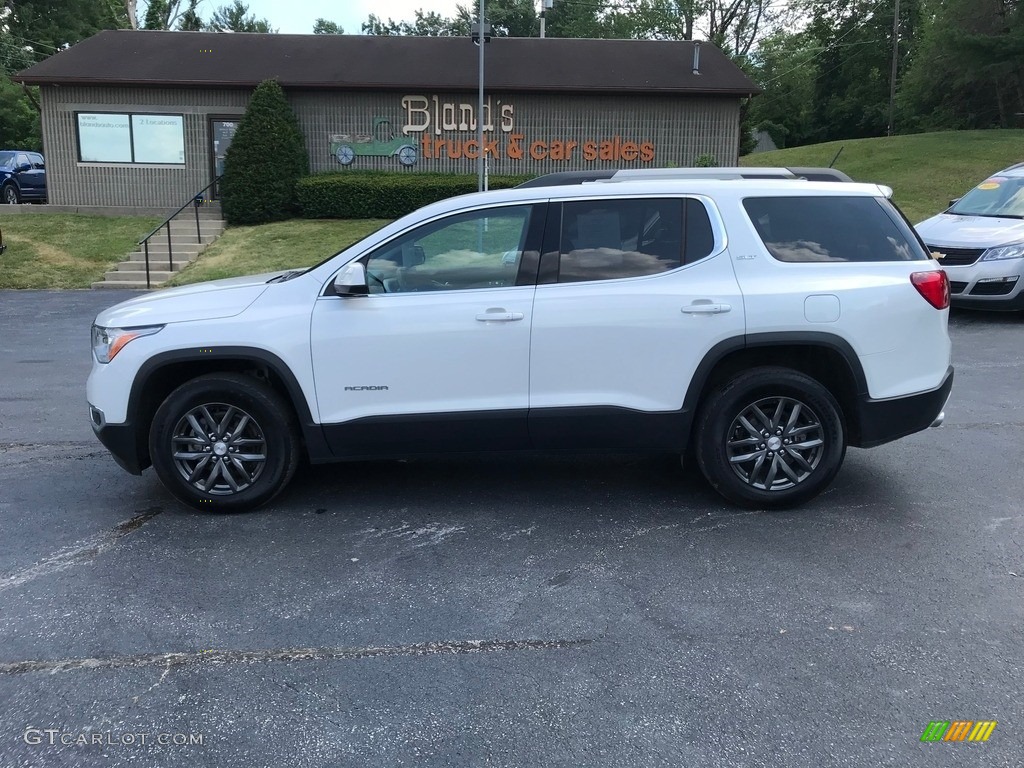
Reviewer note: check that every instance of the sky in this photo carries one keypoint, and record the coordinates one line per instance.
(297, 16)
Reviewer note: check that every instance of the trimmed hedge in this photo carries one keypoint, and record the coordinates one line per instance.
(384, 194)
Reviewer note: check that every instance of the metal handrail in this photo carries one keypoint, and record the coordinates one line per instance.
(196, 200)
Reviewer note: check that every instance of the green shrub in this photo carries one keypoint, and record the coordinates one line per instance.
(266, 158)
(384, 194)
(707, 160)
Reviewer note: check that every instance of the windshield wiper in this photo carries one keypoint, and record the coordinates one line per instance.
(988, 215)
(286, 276)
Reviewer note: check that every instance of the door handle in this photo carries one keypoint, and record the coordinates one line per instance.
(499, 315)
(706, 309)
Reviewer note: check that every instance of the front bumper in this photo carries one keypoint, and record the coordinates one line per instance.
(987, 285)
(882, 421)
(122, 441)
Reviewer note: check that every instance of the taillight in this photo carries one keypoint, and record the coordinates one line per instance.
(934, 286)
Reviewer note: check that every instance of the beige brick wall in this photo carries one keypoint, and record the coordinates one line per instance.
(675, 130)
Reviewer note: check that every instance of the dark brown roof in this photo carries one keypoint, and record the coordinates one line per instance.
(128, 57)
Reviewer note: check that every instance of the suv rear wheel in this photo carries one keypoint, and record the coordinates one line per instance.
(224, 442)
(770, 438)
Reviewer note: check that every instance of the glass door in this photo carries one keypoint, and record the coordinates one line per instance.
(221, 132)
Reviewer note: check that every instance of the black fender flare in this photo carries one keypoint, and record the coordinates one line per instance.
(312, 433)
(722, 349)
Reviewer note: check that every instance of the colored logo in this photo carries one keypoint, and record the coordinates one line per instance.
(958, 730)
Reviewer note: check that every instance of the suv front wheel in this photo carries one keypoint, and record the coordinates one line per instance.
(224, 442)
(770, 438)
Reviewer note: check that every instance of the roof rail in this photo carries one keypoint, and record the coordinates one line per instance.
(670, 174)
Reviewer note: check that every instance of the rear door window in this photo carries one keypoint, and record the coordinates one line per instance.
(833, 229)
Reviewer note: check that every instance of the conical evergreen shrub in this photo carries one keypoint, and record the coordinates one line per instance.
(266, 158)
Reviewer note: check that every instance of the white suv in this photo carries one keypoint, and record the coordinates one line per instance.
(760, 325)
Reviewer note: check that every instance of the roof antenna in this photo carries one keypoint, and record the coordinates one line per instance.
(696, 57)
(836, 157)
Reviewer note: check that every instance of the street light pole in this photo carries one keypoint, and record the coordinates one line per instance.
(895, 67)
(481, 182)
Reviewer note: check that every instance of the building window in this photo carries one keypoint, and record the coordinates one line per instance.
(121, 138)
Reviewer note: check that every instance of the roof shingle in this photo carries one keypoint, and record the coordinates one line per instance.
(150, 58)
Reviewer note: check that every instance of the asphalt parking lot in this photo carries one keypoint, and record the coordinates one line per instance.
(536, 611)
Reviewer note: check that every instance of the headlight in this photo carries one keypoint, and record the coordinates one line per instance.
(107, 342)
(1006, 252)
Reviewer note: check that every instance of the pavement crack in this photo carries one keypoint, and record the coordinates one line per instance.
(219, 657)
(81, 552)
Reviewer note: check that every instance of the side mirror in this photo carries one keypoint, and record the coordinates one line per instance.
(954, 201)
(351, 281)
(23, 167)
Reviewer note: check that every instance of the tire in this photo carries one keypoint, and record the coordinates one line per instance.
(407, 156)
(770, 473)
(258, 466)
(9, 195)
(345, 154)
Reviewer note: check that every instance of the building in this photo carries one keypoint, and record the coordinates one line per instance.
(144, 118)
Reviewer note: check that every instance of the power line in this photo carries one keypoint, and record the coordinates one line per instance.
(848, 32)
(32, 42)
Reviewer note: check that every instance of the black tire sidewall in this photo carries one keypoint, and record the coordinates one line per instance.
(251, 396)
(6, 190)
(727, 403)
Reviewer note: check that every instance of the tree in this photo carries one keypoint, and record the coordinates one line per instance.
(31, 30)
(783, 64)
(423, 25)
(171, 14)
(235, 18)
(266, 158)
(190, 20)
(966, 72)
(19, 119)
(325, 27)
(50, 25)
(508, 18)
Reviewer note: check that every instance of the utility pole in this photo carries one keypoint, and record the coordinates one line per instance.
(481, 39)
(895, 66)
(545, 6)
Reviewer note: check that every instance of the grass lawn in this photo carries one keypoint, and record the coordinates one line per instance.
(925, 170)
(269, 247)
(65, 250)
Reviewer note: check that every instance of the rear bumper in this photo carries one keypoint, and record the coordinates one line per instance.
(882, 421)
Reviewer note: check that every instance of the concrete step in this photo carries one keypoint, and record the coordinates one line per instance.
(125, 285)
(162, 251)
(160, 239)
(189, 227)
(162, 262)
(179, 253)
(134, 265)
(156, 277)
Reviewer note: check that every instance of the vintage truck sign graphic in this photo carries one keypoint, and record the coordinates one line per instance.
(380, 142)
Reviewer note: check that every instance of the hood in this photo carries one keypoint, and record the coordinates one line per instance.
(202, 301)
(970, 231)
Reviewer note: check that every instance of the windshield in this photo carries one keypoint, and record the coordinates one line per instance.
(998, 196)
(6, 158)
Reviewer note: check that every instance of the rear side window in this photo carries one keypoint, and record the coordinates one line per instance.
(824, 229)
(612, 239)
